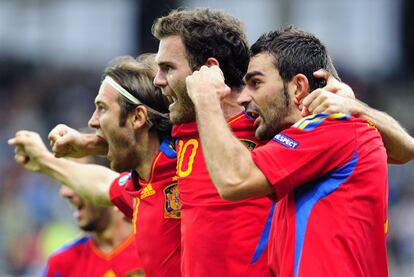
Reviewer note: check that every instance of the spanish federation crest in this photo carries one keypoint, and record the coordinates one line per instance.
(172, 206)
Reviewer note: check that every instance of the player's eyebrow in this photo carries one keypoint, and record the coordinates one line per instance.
(164, 64)
(99, 102)
(250, 75)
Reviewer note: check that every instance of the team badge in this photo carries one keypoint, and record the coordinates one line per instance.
(172, 207)
(286, 141)
(249, 144)
(122, 181)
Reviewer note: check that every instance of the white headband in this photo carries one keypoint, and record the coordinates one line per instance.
(129, 96)
(122, 91)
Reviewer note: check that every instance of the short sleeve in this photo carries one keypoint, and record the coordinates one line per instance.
(119, 196)
(296, 156)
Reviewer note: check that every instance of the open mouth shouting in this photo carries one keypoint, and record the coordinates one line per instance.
(252, 113)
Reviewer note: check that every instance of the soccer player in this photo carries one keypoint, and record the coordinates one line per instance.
(133, 132)
(219, 238)
(328, 172)
(108, 250)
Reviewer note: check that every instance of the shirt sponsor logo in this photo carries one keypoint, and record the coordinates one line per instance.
(286, 141)
(172, 207)
(122, 181)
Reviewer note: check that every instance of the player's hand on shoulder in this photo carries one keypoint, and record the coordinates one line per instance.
(29, 149)
(323, 101)
(335, 97)
(333, 85)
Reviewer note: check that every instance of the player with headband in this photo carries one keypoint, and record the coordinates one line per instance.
(134, 133)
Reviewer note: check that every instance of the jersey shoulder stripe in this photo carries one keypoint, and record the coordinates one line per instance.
(168, 148)
(311, 122)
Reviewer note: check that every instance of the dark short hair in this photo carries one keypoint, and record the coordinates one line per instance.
(209, 33)
(136, 76)
(295, 51)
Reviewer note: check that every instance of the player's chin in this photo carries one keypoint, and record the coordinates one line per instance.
(120, 167)
(173, 118)
(86, 226)
(81, 220)
(115, 163)
(180, 116)
(176, 118)
(115, 166)
(264, 132)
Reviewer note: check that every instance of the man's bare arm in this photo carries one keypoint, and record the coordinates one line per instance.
(91, 182)
(336, 97)
(229, 162)
(397, 141)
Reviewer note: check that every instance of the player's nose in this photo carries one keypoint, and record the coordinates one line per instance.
(160, 80)
(93, 121)
(244, 98)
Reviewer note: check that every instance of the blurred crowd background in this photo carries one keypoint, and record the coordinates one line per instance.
(53, 52)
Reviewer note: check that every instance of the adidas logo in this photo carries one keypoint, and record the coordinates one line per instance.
(147, 191)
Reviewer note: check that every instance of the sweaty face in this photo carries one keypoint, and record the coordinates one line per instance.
(173, 69)
(265, 97)
(105, 120)
(89, 217)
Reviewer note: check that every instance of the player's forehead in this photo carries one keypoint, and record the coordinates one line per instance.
(106, 94)
(171, 50)
(261, 65)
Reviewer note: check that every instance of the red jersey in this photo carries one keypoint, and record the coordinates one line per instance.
(83, 258)
(219, 238)
(329, 172)
(155, 210)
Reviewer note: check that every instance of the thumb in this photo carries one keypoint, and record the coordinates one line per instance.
(321, 73)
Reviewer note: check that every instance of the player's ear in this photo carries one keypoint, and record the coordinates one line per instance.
(139, 116)
(212, 61)
(301, 85)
